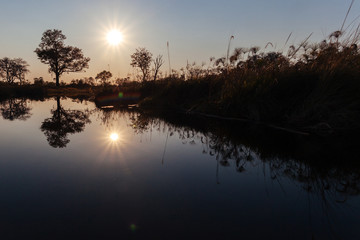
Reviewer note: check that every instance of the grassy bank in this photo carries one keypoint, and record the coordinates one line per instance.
(313, 88)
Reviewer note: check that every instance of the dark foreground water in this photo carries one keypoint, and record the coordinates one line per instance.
(71, 170)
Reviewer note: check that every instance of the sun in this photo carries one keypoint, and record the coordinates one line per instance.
(114, 37)
(114, 137)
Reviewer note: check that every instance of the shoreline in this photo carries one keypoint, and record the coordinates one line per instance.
(159, 103)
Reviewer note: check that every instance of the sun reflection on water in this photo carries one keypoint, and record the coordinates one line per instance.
(111, 145)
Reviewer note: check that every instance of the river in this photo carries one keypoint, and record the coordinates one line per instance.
(71, 170)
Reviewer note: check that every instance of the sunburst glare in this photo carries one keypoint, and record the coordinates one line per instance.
(114, 136)
(111, 143)
(114, 37)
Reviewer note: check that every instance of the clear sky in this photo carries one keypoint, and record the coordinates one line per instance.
(195, 29)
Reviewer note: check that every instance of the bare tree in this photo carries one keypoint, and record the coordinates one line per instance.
(158, 62)
(20, 69)
(60, 58)
(12, 69)
(6, 70)
(142, 59)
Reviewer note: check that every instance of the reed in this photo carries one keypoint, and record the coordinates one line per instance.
(312, 87)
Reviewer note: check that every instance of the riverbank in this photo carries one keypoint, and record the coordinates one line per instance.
(298, 101)
(316, 93)
(312, 89)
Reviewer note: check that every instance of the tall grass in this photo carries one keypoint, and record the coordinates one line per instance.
(313, 87)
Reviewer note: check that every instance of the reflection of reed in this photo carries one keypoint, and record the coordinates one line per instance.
(333, 185)
(330, 183)
(326, 182)
(163, 156)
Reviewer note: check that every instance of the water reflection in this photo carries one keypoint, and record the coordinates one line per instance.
(334, 176)
(215, 177)
(62, 123)
(15, 109)
(333, 180)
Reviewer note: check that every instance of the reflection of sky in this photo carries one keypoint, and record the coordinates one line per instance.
(111, 185)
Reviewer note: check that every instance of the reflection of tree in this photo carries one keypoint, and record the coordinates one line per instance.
(333, 183)
(328, 182)
(13, 109)
(62, 123)
(141, 123)
(109, 116)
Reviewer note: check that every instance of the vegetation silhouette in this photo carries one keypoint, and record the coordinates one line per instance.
(62, 123)
(104, 77)
(60, 58)
(158, 62)
(13, 69)
(15, 109)
(310, 87)
(312, 163)
(142, 59)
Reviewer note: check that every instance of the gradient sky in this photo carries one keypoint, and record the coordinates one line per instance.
(195, 29)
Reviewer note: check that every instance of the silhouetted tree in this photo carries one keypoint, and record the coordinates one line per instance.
(12, 69)
(20, 69)
(121, 81)
(13, 109)
(90, 81)
(39, 81)
(60, 58)
(103, 76)
(63, 122)
(158, 62)
(6, 71)
(142, 59)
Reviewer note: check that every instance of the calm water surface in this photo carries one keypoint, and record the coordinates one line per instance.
(69, 169)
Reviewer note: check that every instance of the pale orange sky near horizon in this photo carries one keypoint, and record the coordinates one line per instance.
(196, 30)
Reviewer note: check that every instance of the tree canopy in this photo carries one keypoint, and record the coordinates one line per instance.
(142, 59)
(103, 76)
(13, 69)
(60, 58)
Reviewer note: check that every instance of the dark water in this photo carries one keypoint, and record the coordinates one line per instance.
(62, 177)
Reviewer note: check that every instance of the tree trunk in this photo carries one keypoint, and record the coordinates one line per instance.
(155, 74)
(58, 109)
(57, 79)
(58, 103)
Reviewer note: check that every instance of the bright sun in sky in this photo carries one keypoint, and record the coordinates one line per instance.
(114, 37)
(114, 136)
